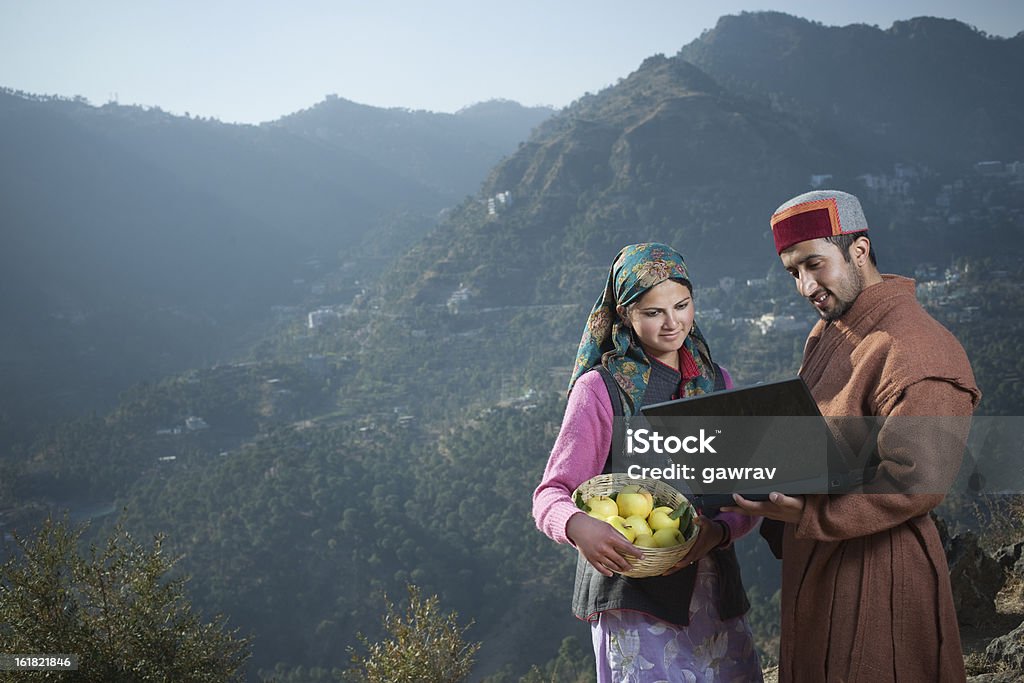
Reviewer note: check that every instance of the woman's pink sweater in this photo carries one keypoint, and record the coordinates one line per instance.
(580, 452)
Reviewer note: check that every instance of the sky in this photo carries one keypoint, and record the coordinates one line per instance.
(258, 60)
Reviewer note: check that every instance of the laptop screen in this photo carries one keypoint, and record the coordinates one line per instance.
(750, 440)
(789, 397)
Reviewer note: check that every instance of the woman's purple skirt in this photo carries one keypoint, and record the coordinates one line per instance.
(633, 647)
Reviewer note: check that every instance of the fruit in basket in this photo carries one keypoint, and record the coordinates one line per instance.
(601, 507)
(645, 541)
(660, 519)
(634, 500)
(666, 538)
(639, 525)
(620, 525)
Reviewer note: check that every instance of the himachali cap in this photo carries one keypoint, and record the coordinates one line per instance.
(821, 213)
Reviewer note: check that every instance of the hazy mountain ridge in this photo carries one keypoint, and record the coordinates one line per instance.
(932, 90)
(314, 196)
(136, 243)
(449, 153)
(111, 261)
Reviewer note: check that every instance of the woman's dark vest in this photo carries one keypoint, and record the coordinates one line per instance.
(664, 597)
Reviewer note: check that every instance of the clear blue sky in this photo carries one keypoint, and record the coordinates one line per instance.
(258, 60)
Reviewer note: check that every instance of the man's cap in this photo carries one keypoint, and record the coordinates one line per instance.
(821, 213)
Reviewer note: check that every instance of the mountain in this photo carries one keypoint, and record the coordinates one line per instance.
(449, 153)
(109, 260)
(697, 149)
(932, 90)
(401, 442)
(667, 154)
(135, 243)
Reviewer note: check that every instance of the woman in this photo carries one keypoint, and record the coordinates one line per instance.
(644, 347)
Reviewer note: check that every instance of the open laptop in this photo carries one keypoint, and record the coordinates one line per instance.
(771, 428)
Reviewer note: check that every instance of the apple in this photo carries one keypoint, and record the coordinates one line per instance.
(634, 500)
(645, 541)
(639, 525)
(666, 538)
(620, 525)
(601, 507)
(659, 518)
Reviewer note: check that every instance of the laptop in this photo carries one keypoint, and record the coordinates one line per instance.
(757, 439)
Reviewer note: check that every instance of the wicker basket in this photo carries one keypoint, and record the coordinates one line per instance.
(656, 560)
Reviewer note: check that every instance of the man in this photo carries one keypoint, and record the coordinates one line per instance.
(865, 586)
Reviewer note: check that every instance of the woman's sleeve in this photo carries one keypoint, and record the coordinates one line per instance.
(738, 523)
(579, 453)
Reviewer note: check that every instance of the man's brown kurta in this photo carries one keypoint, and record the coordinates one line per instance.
(865, 585)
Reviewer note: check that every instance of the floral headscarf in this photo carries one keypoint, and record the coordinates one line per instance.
(607, 341)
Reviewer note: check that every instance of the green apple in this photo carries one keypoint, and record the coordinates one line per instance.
(601, 507)
(634, 500)
(620, 525)
(645, 541)
(639, 525)
(666, 538)
(659, 518)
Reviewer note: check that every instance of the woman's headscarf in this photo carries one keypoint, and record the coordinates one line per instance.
(607, 341)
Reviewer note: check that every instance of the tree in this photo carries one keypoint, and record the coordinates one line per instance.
(573, 664)
(116, 609)
(423, 646)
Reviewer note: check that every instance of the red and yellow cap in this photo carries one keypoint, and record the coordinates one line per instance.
(821, 213)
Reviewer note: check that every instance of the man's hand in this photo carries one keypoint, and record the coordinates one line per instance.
(778, 506)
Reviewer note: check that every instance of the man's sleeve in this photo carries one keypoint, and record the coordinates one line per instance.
(921, 446)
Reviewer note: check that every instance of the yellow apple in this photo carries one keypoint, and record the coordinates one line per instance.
(659, 518)
(666, 538)
(639, 525)
(634, 500)
(601, 507)
(620, 525)
(645, 541)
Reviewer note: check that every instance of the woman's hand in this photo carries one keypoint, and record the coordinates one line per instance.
(712, 534)
(602, 546)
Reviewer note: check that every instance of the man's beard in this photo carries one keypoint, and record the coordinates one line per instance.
(845, 293)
